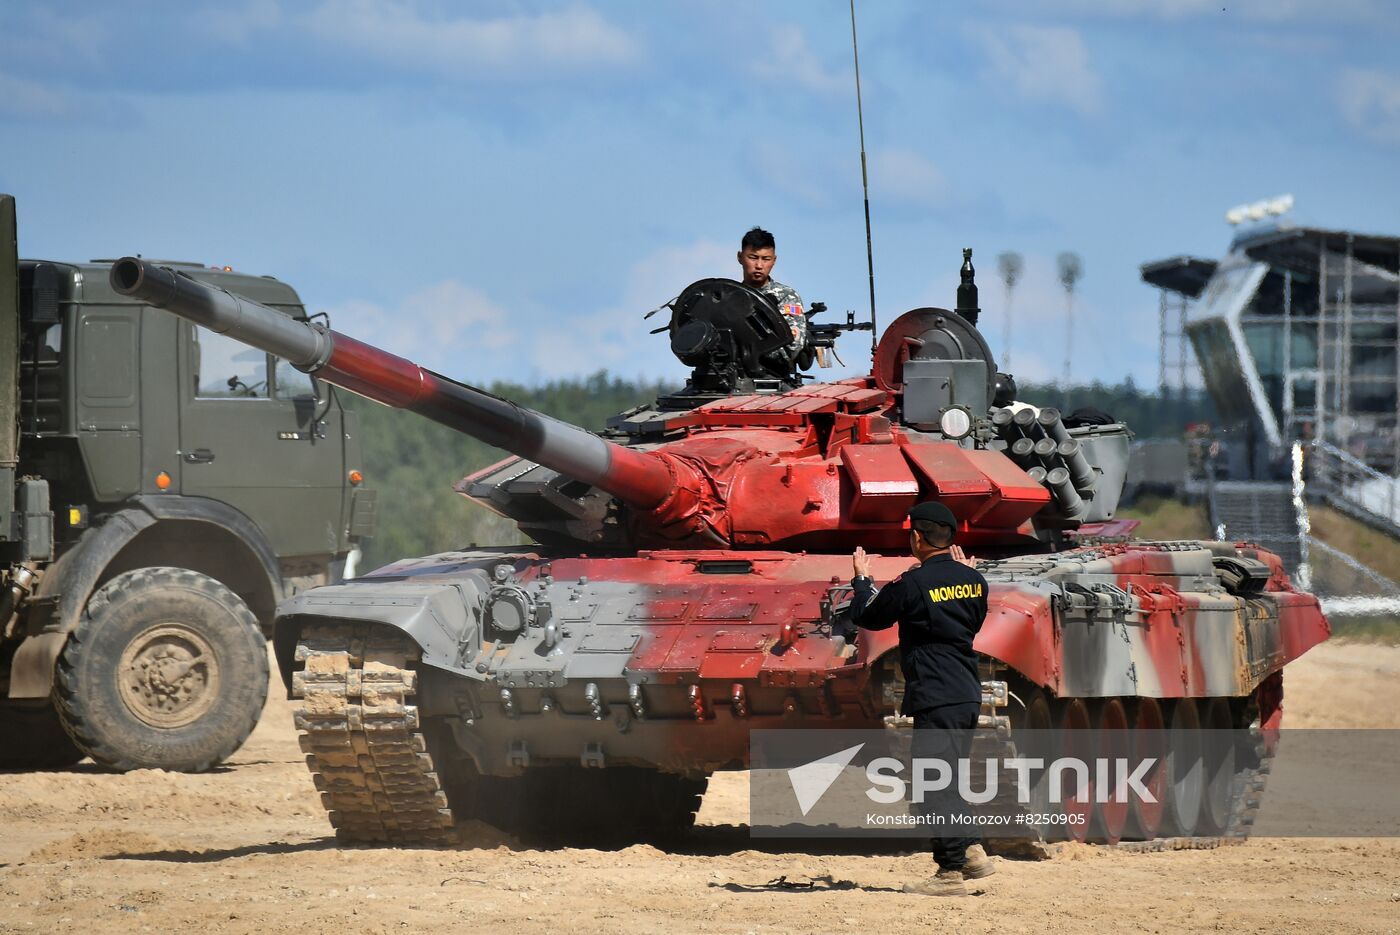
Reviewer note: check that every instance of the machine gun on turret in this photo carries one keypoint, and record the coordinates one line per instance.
(823, 336)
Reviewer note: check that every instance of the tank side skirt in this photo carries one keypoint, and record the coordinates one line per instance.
(1142, 619)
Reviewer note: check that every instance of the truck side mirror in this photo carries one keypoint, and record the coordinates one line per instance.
(38, 295)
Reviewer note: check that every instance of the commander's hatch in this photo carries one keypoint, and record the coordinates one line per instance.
(9, 334)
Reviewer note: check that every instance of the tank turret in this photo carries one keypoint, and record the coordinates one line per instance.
(747, 455)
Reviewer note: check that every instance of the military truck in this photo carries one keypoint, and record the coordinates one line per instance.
(162, 487)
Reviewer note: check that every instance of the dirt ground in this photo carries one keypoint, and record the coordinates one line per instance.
(247, 849)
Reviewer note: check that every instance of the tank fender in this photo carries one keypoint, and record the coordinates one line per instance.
(443, 619)
(1019, 630)
(72, 579)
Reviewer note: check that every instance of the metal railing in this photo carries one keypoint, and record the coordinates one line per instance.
(1369, 495)
(1354, 486)
(1387, 602)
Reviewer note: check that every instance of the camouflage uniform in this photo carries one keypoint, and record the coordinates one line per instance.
(790, 304)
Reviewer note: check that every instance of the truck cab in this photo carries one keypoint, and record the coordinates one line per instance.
(122, 405)
(147, 443)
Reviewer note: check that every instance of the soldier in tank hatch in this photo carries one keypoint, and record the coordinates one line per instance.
(939, 605)
(757, 256)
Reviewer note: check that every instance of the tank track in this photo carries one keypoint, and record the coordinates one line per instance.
(362, 738)
(1247, 791)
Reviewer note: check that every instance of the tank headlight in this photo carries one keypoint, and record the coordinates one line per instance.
(955, 422)
(509, 610)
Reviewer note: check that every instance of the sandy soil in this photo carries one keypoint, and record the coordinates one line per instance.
(247, 849)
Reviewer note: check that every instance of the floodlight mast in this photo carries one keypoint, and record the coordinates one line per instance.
(1071, 268)
(1258, 210)
(1009, 264)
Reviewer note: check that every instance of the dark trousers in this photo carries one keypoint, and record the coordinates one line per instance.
(945, 733)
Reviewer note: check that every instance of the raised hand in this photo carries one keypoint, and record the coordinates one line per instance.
(960, 556)
(860, 562)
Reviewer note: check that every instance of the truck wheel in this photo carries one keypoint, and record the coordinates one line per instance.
(32, 737)
(166, 670)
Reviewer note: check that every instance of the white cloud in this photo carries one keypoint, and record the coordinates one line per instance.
(29, 99)
(1226, 10)
(789, 58)
(1174, 9)
(238, 23)
(68, 37)
(905, 177)
(461, 332)
(42, 102)
(813, 175)
(399, 32)
(1042, 63)
(827, 175)
(1370, 102)
(616, 338)
(442, 327)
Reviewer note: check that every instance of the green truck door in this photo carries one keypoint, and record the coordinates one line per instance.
(246, 438)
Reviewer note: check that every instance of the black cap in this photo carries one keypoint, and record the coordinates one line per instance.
(933, 512)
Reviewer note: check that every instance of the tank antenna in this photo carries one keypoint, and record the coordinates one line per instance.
(864, 184)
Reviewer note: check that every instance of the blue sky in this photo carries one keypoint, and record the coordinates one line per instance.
(502, 189)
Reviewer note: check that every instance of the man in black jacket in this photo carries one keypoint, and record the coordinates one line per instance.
(940, 606)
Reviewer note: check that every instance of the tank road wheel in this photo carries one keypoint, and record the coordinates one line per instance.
(167, 669)
(1075, 741)
(1218, 757)
(1113, 745)
(32, 736)
(1185, 769)
(1148, 740)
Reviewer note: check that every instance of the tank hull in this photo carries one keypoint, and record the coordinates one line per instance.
(504, 666)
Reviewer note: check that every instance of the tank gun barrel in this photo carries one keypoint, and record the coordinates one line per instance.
(640, 479)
